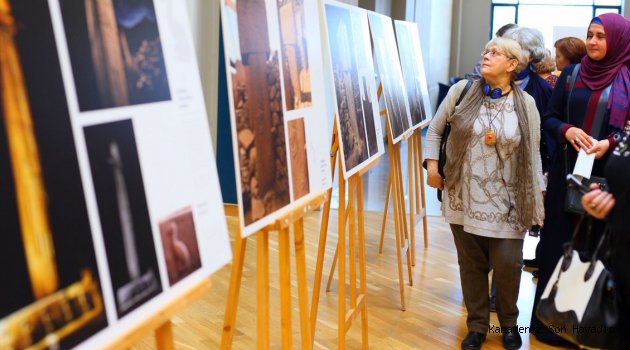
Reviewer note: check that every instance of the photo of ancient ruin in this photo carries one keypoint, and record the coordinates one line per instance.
(257, 104)
(354, 89)
(179, 243)
(390, 74)
(115, 52)
(410, 54)
(51, 297)
(299, 161)
(296, 71)
(123, 213)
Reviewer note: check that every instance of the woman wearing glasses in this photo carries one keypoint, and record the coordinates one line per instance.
(493, 186)
(573, 119)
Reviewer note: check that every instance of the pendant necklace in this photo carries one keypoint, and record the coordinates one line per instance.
(490, 137)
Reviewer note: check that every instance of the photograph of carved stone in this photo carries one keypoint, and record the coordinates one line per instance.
(296, 71)
(299, 161)
(412, 63)
(390, 74)
(115, 52)
(179, 242)
(51, 297)
(257, 105)
(123, 213)
(355, 92)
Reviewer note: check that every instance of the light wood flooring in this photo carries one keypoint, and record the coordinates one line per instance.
(435, 317)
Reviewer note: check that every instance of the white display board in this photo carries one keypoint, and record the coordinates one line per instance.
(119, 171)
(390, 74)
(355, 98)
(277, 106)
(410, 53)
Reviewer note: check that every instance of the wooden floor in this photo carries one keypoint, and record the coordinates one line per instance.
(435, 317)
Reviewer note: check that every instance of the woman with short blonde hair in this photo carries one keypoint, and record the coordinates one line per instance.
(493, 185)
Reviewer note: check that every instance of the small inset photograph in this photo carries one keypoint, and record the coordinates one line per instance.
(297, 75)
(179, 241)
(299, 161)
(123, 213)
(115, 53)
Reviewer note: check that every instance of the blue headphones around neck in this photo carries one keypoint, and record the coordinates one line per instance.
(493, 93)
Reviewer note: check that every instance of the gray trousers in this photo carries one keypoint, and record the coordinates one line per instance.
(475, 255)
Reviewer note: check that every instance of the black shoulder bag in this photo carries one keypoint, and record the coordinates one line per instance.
(445, 133)
(573, 198)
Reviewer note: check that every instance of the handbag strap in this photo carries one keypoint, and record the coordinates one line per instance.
(572, 80)
(568, 248)
(602, 106)
(463, 94)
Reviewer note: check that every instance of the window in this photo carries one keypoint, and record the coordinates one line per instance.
(554, 18)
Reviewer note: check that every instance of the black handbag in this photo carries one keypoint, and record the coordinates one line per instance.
(573, 197)
(580, 302)
(444, 140)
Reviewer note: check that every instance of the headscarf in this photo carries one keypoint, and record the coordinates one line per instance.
(612, 68)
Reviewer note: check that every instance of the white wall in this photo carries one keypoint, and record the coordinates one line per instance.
(204, 22)
(471, 27)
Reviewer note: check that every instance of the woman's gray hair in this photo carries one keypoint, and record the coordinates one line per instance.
(531, 40)
(547, 64)
(511, 49)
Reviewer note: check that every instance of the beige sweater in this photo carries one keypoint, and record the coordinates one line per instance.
(480, 203)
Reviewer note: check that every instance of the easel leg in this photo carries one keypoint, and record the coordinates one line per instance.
(285, 287)
(395, 189)
(300, 258)
(331, 275)
(319, 265)
(164, 337)
(262, 288)
(389, 190)
(412, 211)
(351, 242)
(424, 203)
(403, 224)
(363, 282)
(342, 264)
(233, 292)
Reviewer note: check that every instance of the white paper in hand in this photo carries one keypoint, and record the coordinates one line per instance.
(584, 164)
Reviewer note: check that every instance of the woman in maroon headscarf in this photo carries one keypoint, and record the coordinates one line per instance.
(606, 64)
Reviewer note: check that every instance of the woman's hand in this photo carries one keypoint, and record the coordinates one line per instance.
(433, 176)
(599, 148)
(598, 203)
(578, 138)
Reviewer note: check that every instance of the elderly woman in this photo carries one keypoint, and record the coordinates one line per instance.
(493, 186)
(571, 119)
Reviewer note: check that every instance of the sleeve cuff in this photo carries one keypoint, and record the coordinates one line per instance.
(613, 143)
(563, 131)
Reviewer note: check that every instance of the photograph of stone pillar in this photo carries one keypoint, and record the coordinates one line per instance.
(52, 296)
(410, 54)
(297, 74)
(257, 101)
(115, 52)
(179, 242)
(123, 213)
(353, 76)
(299, 161)
(390, 74)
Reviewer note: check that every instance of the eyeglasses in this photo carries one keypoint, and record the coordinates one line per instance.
(494, 53)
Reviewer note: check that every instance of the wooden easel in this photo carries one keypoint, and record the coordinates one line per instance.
(396, 190)
(417, 196)
(350, 214)
(160, 321)
(296, 218)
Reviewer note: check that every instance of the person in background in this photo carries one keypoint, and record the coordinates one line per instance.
(615, 205)
(533, 43)
(608, 54)
(545, 69)
(569, 50)
(493, 187)
(476, 72)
